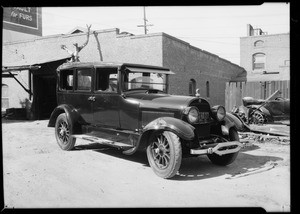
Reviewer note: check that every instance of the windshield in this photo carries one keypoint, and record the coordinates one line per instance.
(144, 81)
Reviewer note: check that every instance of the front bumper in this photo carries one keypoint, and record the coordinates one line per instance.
(219, 149)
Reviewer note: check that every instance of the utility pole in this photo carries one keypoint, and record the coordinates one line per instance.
(145, 22)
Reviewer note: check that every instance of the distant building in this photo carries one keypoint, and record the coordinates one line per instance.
(194, 68)
(265, 57)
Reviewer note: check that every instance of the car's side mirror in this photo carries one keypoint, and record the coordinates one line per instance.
(123, 95)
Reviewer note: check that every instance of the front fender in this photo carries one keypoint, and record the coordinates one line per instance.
(73, 117)
(233, 121)
(183, 129)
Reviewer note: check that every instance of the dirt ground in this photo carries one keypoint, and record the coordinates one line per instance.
(38, 174)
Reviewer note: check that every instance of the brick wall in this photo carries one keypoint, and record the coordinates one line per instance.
(189, 62)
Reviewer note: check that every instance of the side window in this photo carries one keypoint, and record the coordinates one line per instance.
(192, 87)
(66, 80)
(106, 80)
(207, 89)
(84, 79)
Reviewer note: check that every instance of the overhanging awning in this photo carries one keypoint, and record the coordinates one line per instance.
(149, 70)
(30, 64)
(19, 68)
(8, 68)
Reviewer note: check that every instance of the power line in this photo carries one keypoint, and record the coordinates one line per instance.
(145, 22)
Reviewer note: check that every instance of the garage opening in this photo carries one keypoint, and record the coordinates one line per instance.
(44, 90)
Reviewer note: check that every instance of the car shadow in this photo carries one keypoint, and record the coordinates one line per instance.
(8, 121)
(200, 167)
(139, 157)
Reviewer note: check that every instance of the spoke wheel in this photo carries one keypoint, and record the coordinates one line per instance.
(160, 151)
(164, 153)
(258, 118)
(63, 131)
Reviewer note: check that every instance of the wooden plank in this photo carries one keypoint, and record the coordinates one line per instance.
(239, 98)
(233, 95)
(227, 95)
(273, 87)
(289, 90)
(284, 89)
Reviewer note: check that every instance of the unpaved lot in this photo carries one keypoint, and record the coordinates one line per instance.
(38, 174)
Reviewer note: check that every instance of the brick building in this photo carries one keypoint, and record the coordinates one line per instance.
(265, 56)
(194, 68)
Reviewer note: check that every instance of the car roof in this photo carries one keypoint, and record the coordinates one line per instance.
(131, 66)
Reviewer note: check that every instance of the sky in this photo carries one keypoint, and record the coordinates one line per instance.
(216, 29)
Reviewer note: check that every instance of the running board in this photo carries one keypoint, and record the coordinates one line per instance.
(103, 141)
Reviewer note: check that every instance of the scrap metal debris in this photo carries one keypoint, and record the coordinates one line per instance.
(250, 137)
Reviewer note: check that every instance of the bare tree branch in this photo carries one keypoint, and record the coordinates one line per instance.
(87, 38)
(74, 55)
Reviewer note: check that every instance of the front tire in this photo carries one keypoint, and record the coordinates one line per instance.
(164, 153)
(63, 131)
(226, 159)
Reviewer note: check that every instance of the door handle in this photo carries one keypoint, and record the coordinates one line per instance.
(91, 98)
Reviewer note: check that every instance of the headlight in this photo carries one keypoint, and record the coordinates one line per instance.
(192, 115)
(219, 112)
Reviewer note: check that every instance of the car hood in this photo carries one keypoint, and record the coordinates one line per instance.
(161, 101)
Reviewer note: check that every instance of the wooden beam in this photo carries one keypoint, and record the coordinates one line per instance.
(28, 91)
(18, 68)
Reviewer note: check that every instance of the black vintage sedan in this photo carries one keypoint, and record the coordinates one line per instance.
(128, 106)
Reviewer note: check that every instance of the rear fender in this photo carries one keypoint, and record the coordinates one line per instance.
(73, 117)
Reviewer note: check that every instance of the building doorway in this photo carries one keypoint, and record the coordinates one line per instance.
(44, 90)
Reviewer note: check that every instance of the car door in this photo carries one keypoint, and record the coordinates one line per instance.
(106, 98)
(75, 89)
(83, 93)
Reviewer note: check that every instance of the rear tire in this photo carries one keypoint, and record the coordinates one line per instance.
(63, 132)
(164, 153)
(257, 118)
(226, 159)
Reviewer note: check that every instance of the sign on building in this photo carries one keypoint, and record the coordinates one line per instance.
(23, 19)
